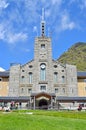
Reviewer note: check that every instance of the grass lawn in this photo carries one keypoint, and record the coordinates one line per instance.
(42, 120)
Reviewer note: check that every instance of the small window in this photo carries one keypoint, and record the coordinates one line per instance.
(0, 79)
(72, 90)
(71, 79)
(84, 80)
(55, 66)
(85, 88)
(42, 72)
(30, 73)
(55, 73)
(42, 46)
(63, 79)
(63, 90)
(30, 77)
(30, 66)
(55, 77)
(22, 77)
(22, 90)
(29, 90)
(22, 70)
(56, 90)
(42, 25)
(62, 70)
(42, 88)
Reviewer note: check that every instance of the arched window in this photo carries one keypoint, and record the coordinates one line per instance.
(0, 79)
(42, 72)
(42, 46)
(55, 77)
(29, 90)
(56, 90)
(63, 90)
(63, 79)
(22, 90)
(30, 77)
(22, 78)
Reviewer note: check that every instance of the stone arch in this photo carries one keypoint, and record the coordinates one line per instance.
(43, 104)
(43, 100)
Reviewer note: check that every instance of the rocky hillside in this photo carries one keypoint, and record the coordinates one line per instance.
(76, 55)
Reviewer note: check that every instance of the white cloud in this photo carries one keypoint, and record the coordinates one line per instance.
(10, 37)
(66, 23)
(31, 10)
(35, 28)
(26, 50)
(13, 38)
(24, 15)
(47, 13)
(2, 32)
(79, 3)
(82, 4)
(58, 2)
(72, 1)
(3, 4)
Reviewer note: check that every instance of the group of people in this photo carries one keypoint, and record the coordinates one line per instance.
(15, 105)
(80, 107)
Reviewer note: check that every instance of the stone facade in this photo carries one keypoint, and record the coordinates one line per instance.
(82, 86)
(4, 86)
(42, 82)
(43, 74)
(43, 79)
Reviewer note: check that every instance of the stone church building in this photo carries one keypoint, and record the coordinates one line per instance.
(43, 79)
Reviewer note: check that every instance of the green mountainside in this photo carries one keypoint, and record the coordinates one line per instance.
(76, 55)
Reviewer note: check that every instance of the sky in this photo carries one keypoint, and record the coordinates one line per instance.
(20, 24)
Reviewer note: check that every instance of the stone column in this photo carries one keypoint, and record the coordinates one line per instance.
(34, 103)
(30, 102)
(51, 102)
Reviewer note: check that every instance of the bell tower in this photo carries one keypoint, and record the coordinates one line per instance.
(43, 49)
(43, 60)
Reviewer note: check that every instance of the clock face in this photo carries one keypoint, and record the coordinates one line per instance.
(42, 66)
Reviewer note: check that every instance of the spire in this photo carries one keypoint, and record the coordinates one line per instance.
(42, 24)
(42, 14)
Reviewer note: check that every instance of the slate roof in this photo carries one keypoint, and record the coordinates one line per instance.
(4, 74)
(81, 74)
(78, 99)
(59, 99)
(9, 99)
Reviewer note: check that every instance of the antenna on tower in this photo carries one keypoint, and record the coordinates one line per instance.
(42, 24)
(42, 14)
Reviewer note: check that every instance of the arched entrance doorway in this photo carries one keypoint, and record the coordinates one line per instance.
(43, 104)
(42, 100)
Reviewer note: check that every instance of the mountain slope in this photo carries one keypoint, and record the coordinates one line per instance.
(76, 55)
